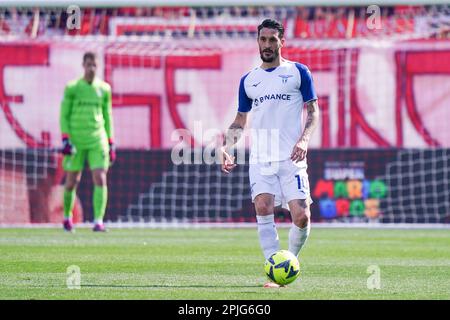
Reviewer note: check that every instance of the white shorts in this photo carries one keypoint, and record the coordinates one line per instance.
(286, 180)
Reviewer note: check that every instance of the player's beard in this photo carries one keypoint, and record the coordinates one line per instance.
(89, 75)
(271, 58)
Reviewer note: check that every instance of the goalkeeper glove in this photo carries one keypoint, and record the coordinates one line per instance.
(67, 149)
(112, 151)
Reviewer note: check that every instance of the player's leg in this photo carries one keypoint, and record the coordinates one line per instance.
(70, 187)
(99, 198)
(301, 226)
(264, 187)
(295, 187)
(267, 231)
(73, 166)
(265, 190)
(99, 162)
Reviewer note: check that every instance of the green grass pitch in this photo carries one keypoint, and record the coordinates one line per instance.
(221, 264)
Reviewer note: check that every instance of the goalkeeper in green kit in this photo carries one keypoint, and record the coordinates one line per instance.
(87, 135)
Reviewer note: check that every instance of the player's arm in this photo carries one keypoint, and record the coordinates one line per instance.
(236, 129)
(107, 114)
(64, 119)
(66, 109)
(312, 120)
(109, 124)
(232, 136)
(309, 95)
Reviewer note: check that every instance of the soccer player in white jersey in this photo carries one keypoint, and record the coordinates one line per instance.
(276, 92)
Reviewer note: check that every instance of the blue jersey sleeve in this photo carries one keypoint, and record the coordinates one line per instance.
(245, 103)
(307, 85)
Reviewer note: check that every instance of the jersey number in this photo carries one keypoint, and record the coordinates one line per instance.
(302, 183)
(299, 182)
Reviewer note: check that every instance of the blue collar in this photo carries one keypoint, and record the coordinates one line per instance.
(270, 69)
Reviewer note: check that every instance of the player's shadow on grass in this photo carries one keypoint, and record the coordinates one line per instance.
(166, 286)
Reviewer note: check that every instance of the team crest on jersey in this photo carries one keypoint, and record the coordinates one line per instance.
(99, 92)
(285, 77)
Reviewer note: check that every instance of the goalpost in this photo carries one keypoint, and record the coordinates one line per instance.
(382, 78)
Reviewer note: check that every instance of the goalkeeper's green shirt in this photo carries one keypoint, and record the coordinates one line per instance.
(86, 113)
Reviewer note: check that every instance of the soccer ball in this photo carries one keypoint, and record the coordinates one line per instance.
(282, 267)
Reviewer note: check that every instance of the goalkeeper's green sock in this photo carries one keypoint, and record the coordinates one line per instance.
(100, 200)
(69, 202)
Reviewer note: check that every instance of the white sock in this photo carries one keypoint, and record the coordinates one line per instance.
(98, 221)
(297, 238)
(268, 236)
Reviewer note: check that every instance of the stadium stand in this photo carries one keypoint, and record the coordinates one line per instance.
(301, 22)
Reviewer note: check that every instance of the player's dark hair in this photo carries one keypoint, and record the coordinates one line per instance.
(272, 24)
(89, 55)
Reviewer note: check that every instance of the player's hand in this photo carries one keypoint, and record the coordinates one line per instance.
(227, 161)
(67, 149)
(299, 152)
(112, 152)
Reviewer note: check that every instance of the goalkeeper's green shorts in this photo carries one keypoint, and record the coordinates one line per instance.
(97, 158)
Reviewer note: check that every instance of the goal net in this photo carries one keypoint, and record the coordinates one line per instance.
(380, 153)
